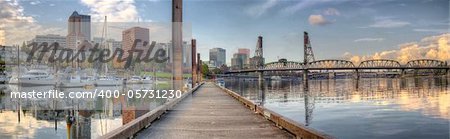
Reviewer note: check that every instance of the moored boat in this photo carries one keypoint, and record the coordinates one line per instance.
(33, 78)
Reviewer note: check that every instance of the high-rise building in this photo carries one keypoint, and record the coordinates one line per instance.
(130, 35)
(217, 57)
(239, 61)
(244, 51)
(49, 39)
(79, 29)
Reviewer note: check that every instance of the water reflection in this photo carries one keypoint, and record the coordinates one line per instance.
(373, 107)
(47, 118)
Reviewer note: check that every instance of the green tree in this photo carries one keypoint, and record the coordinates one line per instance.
(205, 69)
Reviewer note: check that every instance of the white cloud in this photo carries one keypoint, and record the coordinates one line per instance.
(431, 30)
(318, 20)
(432, 47)
(16, 27)
(369, 40)
(389, 23)
(260, 9)
(300, 5)
(117, 11)
(35, 2)
(331, 11)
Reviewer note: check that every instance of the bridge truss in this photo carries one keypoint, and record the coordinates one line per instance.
(416, 66)
(309, 63)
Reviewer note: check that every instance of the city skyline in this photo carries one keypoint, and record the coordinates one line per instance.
(225, 69)
(367, 30)
(217, 56)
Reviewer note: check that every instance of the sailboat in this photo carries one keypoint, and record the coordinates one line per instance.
(105, 80)
(75, 80)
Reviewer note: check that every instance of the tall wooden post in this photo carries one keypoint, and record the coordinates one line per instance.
(199, 67)
(200, 72)
(177, 41)
(194, 62)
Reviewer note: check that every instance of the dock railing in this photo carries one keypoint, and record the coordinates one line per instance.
(130, 129)
(300, 131)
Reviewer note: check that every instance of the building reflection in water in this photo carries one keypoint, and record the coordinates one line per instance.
(428, 95)
(371, 107)
(33, 118)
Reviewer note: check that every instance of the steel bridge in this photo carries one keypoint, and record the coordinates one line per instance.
(332, 64)
(310, 64)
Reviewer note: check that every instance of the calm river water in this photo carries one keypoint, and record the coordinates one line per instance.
(36, 117)
(385, 108)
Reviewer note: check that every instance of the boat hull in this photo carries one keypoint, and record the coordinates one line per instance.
(134, 82)
(75, 84)
(108, 83)
(32, 82)
(147, 81)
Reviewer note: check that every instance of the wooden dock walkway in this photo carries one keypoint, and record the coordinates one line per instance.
(211, 113)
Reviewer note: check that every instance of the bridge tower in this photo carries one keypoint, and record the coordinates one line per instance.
(308, 58)
(258, 60)
(308, 52)
(259, 53)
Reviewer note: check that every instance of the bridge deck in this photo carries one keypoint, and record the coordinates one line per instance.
(211, 113)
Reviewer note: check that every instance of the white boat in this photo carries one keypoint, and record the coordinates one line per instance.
(75, 81)
(88, 80)
(105, 79)
(220, 82)
(72, 81)
(134, 80)
(147, 80)
(108, 81)
(33, 78)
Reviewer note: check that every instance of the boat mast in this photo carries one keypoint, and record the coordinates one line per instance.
(76, 49)
(18, 80)
(107, 45)
(104, 41)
